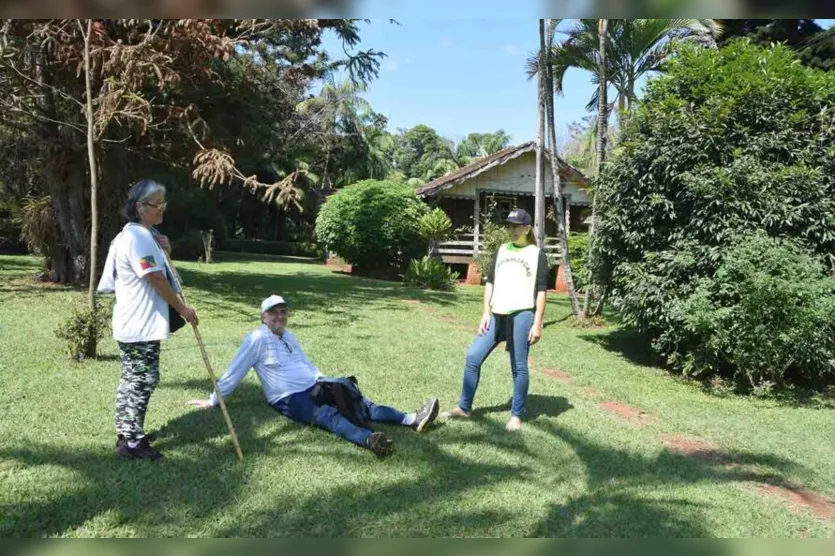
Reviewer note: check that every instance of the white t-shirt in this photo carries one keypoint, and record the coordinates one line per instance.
(140, 313)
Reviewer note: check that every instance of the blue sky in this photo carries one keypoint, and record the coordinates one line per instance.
(462, 75)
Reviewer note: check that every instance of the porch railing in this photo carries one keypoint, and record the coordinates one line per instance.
(463, 245)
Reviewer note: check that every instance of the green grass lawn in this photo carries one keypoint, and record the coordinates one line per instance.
(575, 469)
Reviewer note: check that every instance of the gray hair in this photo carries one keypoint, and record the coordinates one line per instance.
(140, 192)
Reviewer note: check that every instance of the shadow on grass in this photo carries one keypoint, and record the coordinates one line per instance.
(335, 296)
(617, 501)
(142, 494)
(629, 344)
(538, 405)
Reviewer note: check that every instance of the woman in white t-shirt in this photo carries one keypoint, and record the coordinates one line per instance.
(514, 305)
(137, 271)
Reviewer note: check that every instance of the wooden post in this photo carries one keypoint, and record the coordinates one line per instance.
(476, 222)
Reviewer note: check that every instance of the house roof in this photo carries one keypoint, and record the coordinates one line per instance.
(483, 164)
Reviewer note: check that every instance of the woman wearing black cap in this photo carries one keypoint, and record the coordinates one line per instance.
(514, 305)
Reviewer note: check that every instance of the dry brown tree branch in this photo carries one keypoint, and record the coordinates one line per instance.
(213, 167)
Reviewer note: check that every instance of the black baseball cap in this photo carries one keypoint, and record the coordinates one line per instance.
(518, 216)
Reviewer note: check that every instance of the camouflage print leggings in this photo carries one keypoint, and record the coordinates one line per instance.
(140, 375)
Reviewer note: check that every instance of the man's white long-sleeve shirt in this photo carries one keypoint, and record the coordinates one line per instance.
(279, 361)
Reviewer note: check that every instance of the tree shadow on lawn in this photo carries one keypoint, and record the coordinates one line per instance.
(613, 504)
(309, 291)
(629, 344)
(143, 495)
(146, 498)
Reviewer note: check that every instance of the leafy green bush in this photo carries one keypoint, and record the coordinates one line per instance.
(83, 329)
(766, 318)
(287, 248)
(373, 224)
(578, 251)
(727, 142)
(494, 235)
(435, 227)
(430, 274)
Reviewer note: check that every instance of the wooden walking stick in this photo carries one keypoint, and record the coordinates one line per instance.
(207, 362)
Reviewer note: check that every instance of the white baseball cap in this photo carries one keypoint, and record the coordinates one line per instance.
(271, 302)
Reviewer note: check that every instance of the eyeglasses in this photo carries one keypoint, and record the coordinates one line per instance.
(286, 345)
(159, 206)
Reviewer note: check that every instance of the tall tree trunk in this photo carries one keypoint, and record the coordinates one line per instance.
(94, 179)
(67, 178)
(539, 203)
(602, 128)
(545, 44)
(94, 184)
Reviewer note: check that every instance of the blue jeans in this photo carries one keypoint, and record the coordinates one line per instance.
(484, 344)
(301, 408)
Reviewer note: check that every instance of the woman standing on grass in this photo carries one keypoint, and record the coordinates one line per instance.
(514, 305)
(137, 271)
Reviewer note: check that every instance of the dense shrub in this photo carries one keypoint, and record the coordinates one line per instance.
(273, 248)
(430, 274)
(766, 318)
(373, 224)
(494, 235)
(726, 143)
(435, 226)
(82, 330)
(578, 252)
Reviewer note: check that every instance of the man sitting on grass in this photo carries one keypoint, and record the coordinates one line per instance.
(289, 381)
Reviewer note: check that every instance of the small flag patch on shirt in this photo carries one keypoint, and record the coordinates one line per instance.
(147, 262)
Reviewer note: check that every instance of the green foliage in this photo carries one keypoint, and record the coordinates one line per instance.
(419, 150)
(430, 274)
(766, 318)
(373, 224)
(494, 235)
(728, 142)
(479, 145)
(814, 46)
(578, 251)
(435, 225)
(82, 330)
(635, 48)
(288, 248)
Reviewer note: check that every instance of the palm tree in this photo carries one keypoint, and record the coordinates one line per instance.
(636, 47)
(441, 167)
(546, 38)
(539, 199)
(340, 110)
(602, 125)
